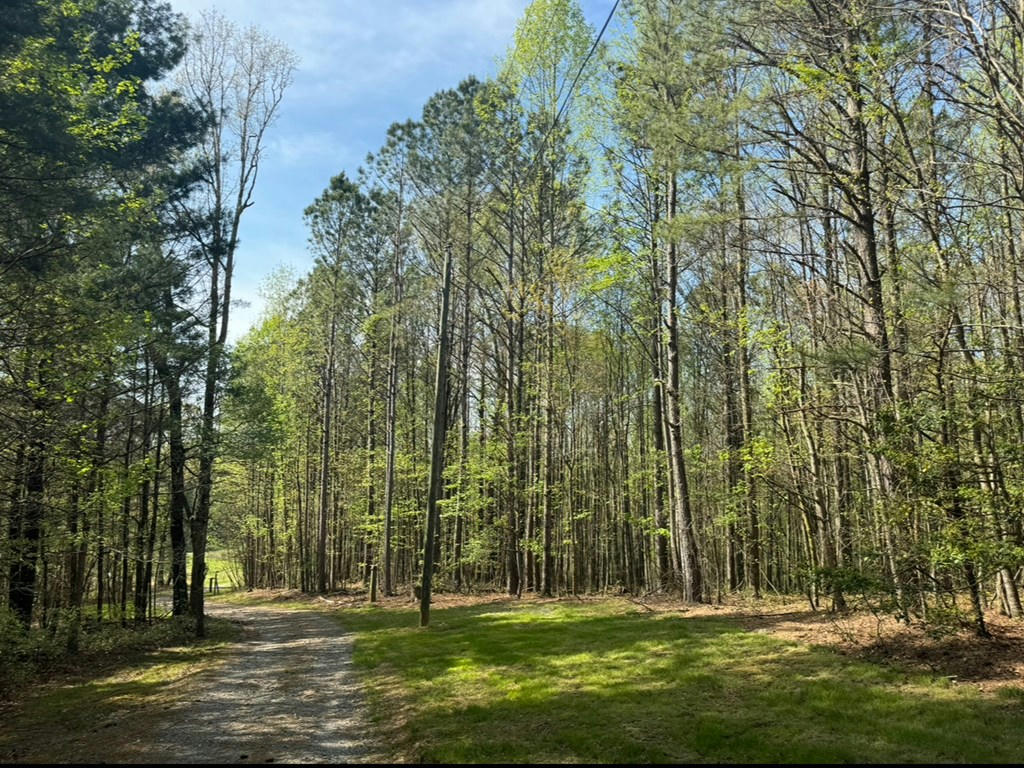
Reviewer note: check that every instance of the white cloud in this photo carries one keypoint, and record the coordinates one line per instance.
(308, 148)
(351, 49)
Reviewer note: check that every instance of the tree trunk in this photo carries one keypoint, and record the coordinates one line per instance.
(686, 537)
(437, 444)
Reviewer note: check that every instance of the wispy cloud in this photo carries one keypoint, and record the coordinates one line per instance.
(352, 49)
(313, 147)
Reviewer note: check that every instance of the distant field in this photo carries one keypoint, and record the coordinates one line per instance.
(219, 563)
(606, 681)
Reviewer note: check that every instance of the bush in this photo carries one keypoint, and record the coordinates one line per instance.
(22, 652)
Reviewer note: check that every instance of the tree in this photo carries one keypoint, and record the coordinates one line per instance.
(338, 222)
(237, 78)
(86, 170)
(777, 345)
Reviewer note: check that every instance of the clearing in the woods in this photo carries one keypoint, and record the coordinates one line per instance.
(616, 681)
(499, 680)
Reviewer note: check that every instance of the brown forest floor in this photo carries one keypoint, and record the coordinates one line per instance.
(955, 653)
(959, 655)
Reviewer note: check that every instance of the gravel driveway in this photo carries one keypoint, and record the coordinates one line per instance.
(288, 694)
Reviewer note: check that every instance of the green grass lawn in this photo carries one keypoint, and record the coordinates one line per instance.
(604, 682)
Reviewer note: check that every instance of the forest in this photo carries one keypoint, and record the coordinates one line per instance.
(729, 303)
(722, 298)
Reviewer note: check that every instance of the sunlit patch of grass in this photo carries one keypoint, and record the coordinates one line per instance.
(602, 682)
(276, 599)
(222, 564)
(107, 702)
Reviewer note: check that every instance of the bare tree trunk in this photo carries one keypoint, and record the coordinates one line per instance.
(179, 500)
(325, 460)
(438, 440)
(686, 538)
(392, 405)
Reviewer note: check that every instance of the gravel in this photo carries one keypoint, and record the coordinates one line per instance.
(287, 694)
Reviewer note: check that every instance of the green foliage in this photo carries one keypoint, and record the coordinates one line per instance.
(853, 582)
(550, 42)
(845, 297)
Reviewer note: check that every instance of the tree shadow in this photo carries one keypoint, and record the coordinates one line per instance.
(560, 683)
(289, 695)
(95, 695)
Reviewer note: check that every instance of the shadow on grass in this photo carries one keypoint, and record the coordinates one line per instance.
(111, 648)
(88, 705)
(556, 682)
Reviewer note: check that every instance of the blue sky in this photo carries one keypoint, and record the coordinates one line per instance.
(364, 65)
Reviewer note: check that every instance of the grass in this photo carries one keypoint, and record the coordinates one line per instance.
(221, 563)
(111, 698)
(602, 682)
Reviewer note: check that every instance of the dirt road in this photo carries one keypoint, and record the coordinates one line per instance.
(287, 694)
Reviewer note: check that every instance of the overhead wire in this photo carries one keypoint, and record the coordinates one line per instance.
(575, 82)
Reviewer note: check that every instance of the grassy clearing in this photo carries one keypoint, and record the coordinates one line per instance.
(603, 682)
(111, 698)
(219, 563)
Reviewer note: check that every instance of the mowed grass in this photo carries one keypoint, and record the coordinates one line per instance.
(605, 682)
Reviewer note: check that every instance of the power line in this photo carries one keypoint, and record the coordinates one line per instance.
(590, 53)
(575, 81)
